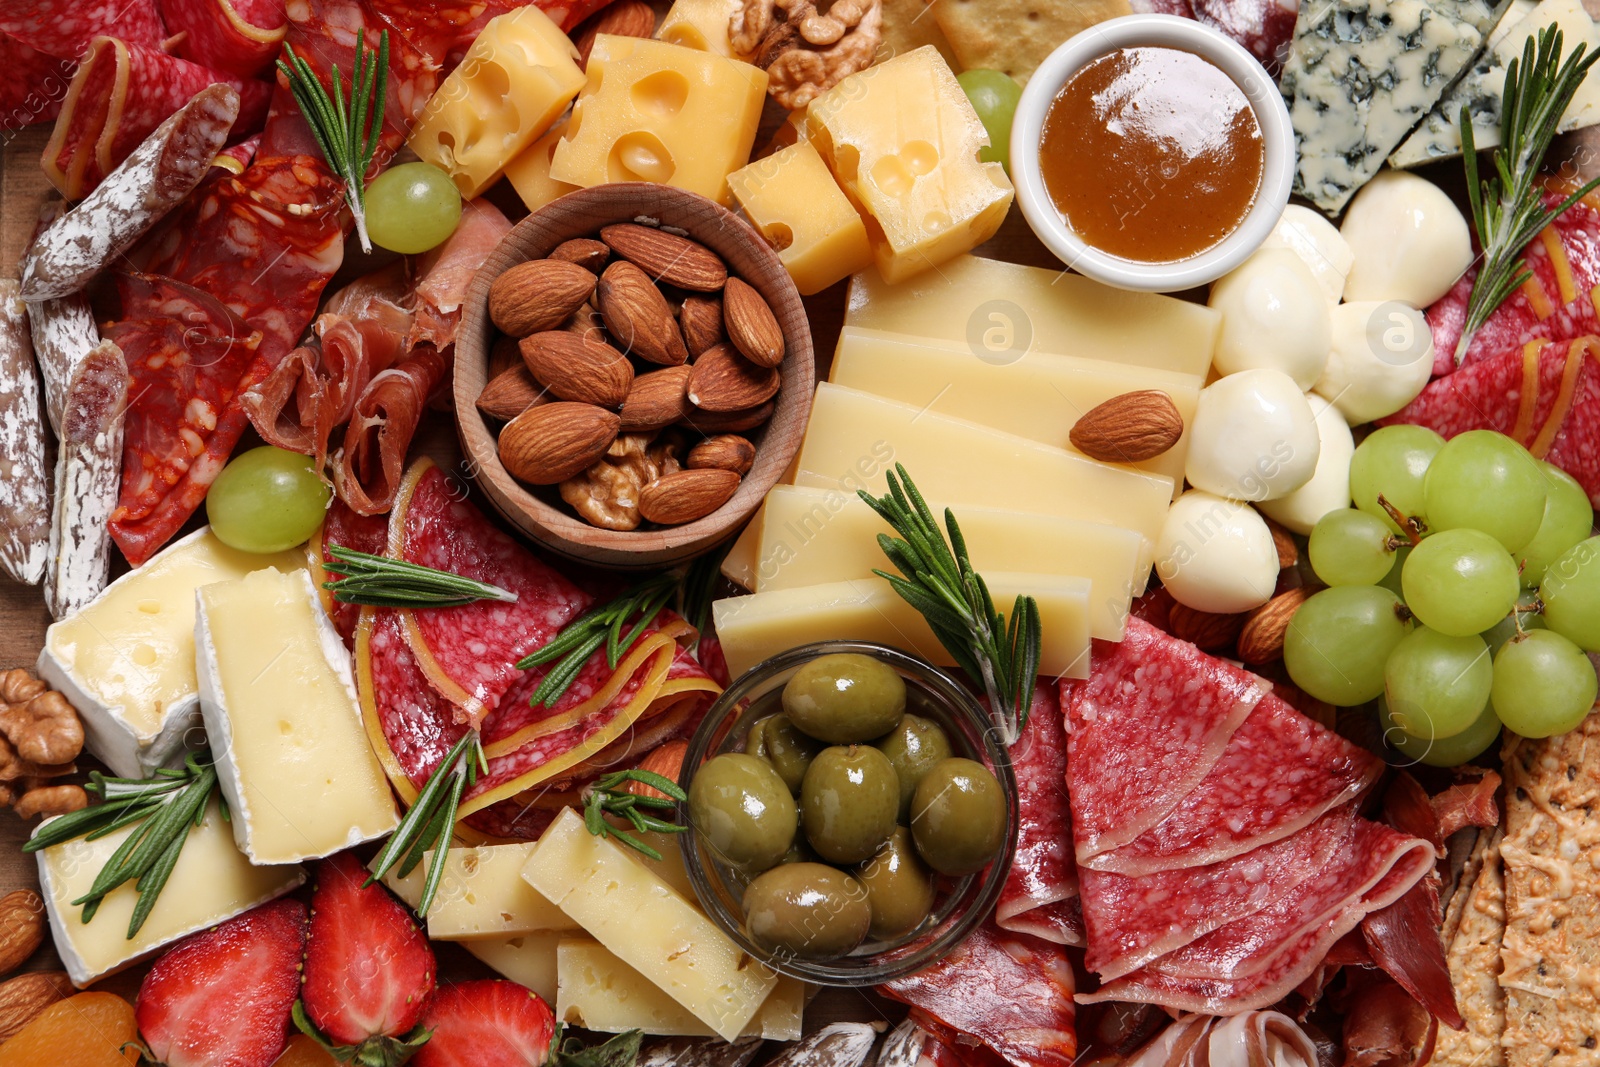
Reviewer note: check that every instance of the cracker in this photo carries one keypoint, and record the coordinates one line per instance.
(1016, 35)
(907, 26)
(1474, 925)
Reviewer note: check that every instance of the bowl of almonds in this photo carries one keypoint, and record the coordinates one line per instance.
(633, 372)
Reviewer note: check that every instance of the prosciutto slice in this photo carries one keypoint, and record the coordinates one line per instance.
(1040, 896)
(447, 271)
(381, 427)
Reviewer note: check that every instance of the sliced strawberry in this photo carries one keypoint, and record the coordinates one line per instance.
(487, 1022)
(222, 998)
(369, 971)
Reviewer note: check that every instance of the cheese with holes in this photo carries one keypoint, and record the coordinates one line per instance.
(482, 895)
(126, 661)
(648, 925)
(701, 25)
(211, 881)
(597, 991)
(278, 696)
(527, 959)
(657, 112)
(529, 172)
(517, 78)
(755, 627)
(794, 202)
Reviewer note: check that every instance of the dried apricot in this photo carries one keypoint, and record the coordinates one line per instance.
(87, 1030)
(304, 1052)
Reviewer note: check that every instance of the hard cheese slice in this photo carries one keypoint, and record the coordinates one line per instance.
(212, 881)
(648, 926)
(284, 722)
(527, 959)
(482, 895)
(126, 661)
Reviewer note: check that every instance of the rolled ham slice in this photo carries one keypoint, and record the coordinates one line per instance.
(447, 271)
(369, 468)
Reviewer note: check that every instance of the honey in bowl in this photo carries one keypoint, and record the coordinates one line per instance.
(1152, 154)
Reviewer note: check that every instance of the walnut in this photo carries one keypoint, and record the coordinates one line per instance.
(808, 51)
(52, 800)
(38, 721)
(607, 494)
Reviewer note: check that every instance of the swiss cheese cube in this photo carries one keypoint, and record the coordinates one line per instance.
(279, 700)
(798, 207)
(702, 25)
(527, 959)
(126, 661)
(657, 112)
(903, 140)
(517, 78)
(529, 173)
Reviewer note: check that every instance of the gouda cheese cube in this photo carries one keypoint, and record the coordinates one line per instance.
(701, 25)
(648, 925)
(529, 173)
(658, 112)
(515, 81)
(482, 895)
(756, 627)
(798, 207)
(903, 139)
(528, 959)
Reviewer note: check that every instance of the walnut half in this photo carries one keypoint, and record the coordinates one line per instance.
(607, 494)
(807, 51)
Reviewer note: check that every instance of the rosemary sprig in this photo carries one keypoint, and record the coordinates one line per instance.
(164, 805)
(430, 823)
(346, 129)
(1507, 209)
(382, 582)
(937, 579)
(608, 796)
(619, 1051)
(601, 625)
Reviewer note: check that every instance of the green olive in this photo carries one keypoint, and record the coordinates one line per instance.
(849, 798)
(899, 887)
(914, 745)
(845, 698)
(788, 750)
(743, 810)
(809, 909)
(958, 816)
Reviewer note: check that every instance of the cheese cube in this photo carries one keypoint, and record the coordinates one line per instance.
(527, 959)
(517, 78)
(482, 895)
(212, 881)
(529, 173)
(126, 661)
(797, 206)
(903, 139)
(657, 112)
(648, 925)
(284, 722)
(757, 627)
(597, 991)
(701, 25)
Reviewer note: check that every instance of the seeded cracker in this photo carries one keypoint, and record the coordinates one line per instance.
(1551, 854)
(1474, 925)
(1016, 35)
(907, 26)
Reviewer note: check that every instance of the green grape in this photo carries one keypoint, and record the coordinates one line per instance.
(1468, 745)
(1393, 462)
(1350, 547)
(1502, 631)
(1460, 582)
(994, 95)
(1543, 684)
(1570, 593)
(266, 500)
(1568, 519)
(412, 207)
(1391, 581)
(1339, 640)
(1437, 685)
(1483, 480)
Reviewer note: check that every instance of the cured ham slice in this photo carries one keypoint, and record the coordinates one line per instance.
(238, 37)
(1040, 896)
(446, 272)
(381, 426)
(1255, 1037)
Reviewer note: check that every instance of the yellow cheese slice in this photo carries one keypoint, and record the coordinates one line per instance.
(529, 172)
(482, 896)
(527, 959)
(739, 565)
(794, 202)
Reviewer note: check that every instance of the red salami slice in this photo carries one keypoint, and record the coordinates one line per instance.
(360, 533)
(237, 37)
(236, 157)
(1040, 896)
(416, 725)
(24, 492)
(382, 423)
(64, 30)
(1265, 27)
(34, 85)
(446, 272)
(87, 474)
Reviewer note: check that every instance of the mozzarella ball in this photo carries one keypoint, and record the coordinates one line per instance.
(1216, 555)
(1382, 356)
(1274, 315)
(1329, 487)
(1318, 244)
(1253, 437)
(1410, 241)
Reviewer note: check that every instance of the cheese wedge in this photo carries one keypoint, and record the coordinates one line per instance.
(281, 713)
(126, 661)
(527, 959)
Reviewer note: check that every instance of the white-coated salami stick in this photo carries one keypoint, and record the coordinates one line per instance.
(88, 474)
(24, 493)
(63, 331)
(157, 177)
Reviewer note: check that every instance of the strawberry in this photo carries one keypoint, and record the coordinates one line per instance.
(487, 1022)
(368, 969)
(222, 998)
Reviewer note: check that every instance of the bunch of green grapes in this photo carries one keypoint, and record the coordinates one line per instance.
(1463, 593)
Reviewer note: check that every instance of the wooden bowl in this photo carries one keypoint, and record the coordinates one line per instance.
(581, 214)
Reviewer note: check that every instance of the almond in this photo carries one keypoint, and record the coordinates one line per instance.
(715, 422)
(1261, 640)
(587, 253)
(665, 760)
(21, 928)
(723, 380)
(538, 295)
(685, 496)
(578, 368)
(638, 316)
(510, 393)
(700, 318)
(752, 327)
(552, 442)
(666, 257)
(1207, 630)
(657, 400)
(22, 998)
(1130, 428)
(728, 452)
(502, 355)
(1283, 541)
(625, 18)
(587, 323)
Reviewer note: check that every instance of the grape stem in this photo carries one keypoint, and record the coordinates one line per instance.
(1403, 613)
(1410, 526)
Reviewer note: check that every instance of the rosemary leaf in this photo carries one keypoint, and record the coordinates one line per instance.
(609, 796)
(600, 626)
(378, 581)
(430, 823)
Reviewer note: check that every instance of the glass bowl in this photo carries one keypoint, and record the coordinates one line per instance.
(960, 903)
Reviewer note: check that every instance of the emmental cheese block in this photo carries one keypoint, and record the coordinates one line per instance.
(529, 172)
(283, 720)
(798, 207)
(212, 881)
(126, 661)
(702, 25)
(527, 959)
(648, 926)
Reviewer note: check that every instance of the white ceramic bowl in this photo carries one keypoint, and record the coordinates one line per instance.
(1170, 31)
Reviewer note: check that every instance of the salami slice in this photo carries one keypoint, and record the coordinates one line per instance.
(382, 423)
(34, 85)
(1040, 896)
(237, 37)
(24, 493)
(360, 533)
(236, 157)
(64, 29)
(63, 332)
(412, 727)
(87, 469)
(445, 273)
(1265, 27)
